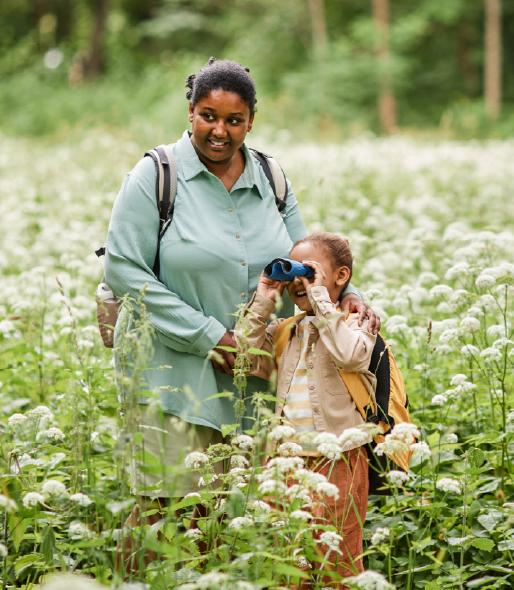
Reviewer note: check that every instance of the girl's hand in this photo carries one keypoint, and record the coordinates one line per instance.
(270, 288)
(319, 279)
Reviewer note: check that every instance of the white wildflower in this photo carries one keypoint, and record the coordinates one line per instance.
(281, 432)
(303, 563)
(351, 438)
(396, 324)
(449, 336)
(405, 432)
(328, 489)
(51, 434)
(369, 580)
(485, 280)
(496, 331)
(491, 354)
(239, 461)
(439, 400)
(469, 325)
(469, 350)
(397, 477)
(78, 530)
(240, 522)
(16, 420)
(270, 486)
(196, 460)
(3, 550)
(301, 515)
(7, 503)
(331, 451)
(52, 487)
(380, 534)
(289, 449)
(325, 438)
(259, 506)
(451, 438)
(212, 581)
(331, 540)
(461, 269)
(449, 485)
(32, 499)
(207, 479)
(285, 464)
(441, 291)
(420, 452)
(81, 499)
(243, 441)
(299, 492)
(310, 478)
(41, 412)
(193, 534)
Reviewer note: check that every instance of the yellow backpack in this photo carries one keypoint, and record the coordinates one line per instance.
(390, 404)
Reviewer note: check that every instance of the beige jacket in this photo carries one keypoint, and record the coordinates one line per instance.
(334, 343)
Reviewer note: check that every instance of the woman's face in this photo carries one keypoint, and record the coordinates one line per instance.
(219, 124)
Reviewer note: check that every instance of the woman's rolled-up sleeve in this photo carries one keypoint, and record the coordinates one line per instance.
(130, 255)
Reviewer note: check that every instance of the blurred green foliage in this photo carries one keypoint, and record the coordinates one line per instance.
(65, 63)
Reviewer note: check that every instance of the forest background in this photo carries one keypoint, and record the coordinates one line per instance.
(325, 69)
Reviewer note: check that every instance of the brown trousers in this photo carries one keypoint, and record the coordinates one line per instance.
(347, 513)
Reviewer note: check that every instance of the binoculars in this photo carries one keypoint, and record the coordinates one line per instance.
(284, 269)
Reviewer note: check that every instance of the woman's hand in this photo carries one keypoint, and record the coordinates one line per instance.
(270, 288)
(228, 357)
(351, 303)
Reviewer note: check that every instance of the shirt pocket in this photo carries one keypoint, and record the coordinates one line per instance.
(333, 382)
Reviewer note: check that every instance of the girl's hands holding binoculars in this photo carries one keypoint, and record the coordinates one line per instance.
(270, 288)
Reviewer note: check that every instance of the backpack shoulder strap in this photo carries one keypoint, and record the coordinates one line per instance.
(360, 394)
(165, 191)
(165, 183)
(275, 176)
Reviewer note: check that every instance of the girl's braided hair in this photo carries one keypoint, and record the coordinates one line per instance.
(225, 75)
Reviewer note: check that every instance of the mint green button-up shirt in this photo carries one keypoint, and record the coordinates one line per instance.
(211, 257)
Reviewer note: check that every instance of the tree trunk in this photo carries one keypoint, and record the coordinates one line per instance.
(386, 100)
(95, 60)
(493, 58)
(318, 27)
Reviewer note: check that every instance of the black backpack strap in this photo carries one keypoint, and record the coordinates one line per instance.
(379, 366)
(275, 176)
(165, 191)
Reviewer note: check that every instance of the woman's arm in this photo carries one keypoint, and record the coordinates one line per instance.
(130, 256)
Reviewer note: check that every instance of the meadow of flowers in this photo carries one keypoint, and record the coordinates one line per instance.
(432, 229)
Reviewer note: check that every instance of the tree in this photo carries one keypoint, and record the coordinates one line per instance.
(493, 58)
(386, 100)
(319, 27)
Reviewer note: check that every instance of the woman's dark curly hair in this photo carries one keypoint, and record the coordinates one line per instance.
(225, 75)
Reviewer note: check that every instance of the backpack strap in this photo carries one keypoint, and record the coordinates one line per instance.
(275, 176)
(165, 191)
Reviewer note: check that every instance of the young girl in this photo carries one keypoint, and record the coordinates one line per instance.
(311, 394)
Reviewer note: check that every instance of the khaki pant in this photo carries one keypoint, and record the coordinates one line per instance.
(158, 469)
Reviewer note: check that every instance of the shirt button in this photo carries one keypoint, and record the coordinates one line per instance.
(230, 210)
(310, 366)
(311, 388)
(315, 410)
(243, 294)
(243, 263)
(238, 236)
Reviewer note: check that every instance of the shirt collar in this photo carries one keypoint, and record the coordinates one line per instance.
(192, 166)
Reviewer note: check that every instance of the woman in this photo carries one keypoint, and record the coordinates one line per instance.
(225, 229)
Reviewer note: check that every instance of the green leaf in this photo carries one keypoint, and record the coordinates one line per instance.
(483, 544)
(259, 352)
(227, 429)
(226, 348)
(48, 544)
(17, 527)
(222, 394)
(289, 570)
(27, 561)
(479, 582)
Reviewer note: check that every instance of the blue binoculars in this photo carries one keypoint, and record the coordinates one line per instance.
(284, 269)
